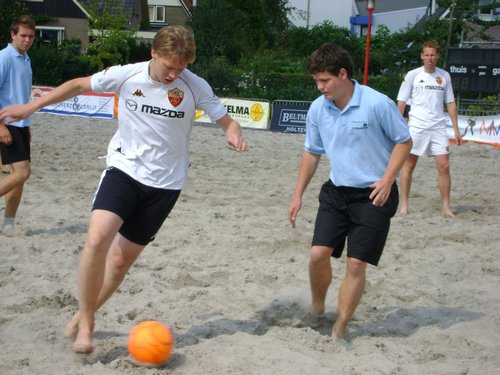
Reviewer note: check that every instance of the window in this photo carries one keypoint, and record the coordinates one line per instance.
(482, 9)
(363, 31)
(157, 14)
(50, 34)
(487, 7)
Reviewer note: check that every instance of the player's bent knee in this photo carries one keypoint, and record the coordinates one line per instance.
(118, 263)
(21, 175)
(444, 170)
(25, 176)
(97, 242)
(320, 254)
(355, 266)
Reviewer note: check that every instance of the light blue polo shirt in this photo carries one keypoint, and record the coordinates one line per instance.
(357, 140)
(16, 79)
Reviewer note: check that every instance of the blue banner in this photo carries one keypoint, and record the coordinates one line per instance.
(289, 116)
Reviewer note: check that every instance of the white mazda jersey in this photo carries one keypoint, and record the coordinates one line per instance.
(154, 122)
(427, 92)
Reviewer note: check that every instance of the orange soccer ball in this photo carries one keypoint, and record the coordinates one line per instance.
(150, 343)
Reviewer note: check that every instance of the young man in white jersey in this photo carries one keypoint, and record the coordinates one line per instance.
(147, 162)
(428, 87)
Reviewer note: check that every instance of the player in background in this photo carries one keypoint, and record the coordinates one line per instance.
(429, 87)
(15, 138)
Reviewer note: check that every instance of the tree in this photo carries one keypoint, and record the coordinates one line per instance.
(237, 28)
(264, 21)
(9, 11)
(112, 40)
(464, 9)
(54, 64)
(301, 41)
(215, 25)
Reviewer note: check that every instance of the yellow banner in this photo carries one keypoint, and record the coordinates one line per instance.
(249, 113)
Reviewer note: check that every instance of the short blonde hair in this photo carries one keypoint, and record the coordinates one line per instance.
(175, 41)
(431, 44)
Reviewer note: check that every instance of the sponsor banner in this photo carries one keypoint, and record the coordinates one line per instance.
(480, 129)
(289, 116)
(249, 113)
(89, 104)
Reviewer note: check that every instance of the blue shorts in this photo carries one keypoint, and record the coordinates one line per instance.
(19, 149)
(142, 208)
(349, 213)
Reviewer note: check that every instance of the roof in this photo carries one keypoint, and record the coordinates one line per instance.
(478, 32)
(56, 9)
(187, 6)
(128, 6)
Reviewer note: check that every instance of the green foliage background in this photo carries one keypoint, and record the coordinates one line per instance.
(246, 49)
(9, 10)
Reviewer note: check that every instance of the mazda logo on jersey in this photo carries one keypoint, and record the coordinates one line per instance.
(162, 111)
(131, 105)
(175, 96)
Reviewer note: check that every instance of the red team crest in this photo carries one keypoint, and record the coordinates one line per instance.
(439, 80)
(175, 96)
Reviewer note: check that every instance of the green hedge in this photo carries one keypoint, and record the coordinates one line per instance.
(260, 78)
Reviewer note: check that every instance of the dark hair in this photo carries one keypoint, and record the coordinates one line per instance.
(24, 21)
(330, 57)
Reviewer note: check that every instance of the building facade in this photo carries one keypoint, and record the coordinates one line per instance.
(396, 15)
(70, 18)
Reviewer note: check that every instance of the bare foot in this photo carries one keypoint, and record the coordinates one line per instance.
(404, 210)
(447, 212)
(83, 343)
(317, 310)
(338, 332)
(71, 329)
(9, 231)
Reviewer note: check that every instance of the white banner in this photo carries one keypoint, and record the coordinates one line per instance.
(88, 104)
(480, 129)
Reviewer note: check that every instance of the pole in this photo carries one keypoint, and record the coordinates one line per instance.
(448, 41)
(308, 13)
(367, 49)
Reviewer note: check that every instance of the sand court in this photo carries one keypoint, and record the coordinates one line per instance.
(229, 276)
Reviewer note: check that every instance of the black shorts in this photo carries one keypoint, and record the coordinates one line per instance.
(142, 208)
(346, 212)
(19, 149)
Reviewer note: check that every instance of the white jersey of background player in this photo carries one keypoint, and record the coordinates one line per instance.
(429, 88)
(427, 92)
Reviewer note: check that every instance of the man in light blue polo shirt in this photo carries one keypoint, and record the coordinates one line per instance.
(15, 88)
(367, 142)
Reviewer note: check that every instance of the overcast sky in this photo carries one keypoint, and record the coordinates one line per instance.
(320, 10)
